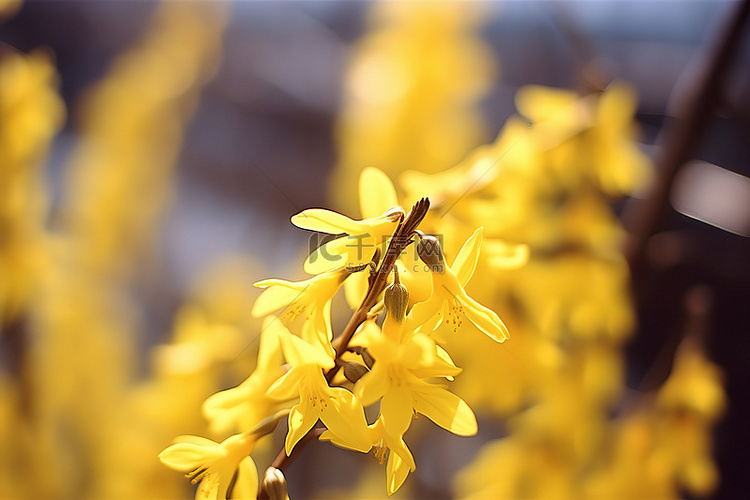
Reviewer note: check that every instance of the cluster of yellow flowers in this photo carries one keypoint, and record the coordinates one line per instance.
(332, 379)
(543, 192)
(521, 226)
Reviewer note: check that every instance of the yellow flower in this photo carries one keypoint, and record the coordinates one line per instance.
(242, 407)
(336, 407)
(397, 378)
(695, 384)
(400, 459)
(214, 464)
(377, 194)
(356, 247)
(311, 297)
(449, 300)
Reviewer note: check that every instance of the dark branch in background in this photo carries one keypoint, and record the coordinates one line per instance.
(682, 136)
(399, 241)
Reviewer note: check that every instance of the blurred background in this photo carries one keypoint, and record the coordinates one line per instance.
(171, 144)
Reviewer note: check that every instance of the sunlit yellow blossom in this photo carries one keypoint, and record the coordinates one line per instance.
(694, 384)
(377, 194)
(214, 464)
(356, 247)
(311, 298)
(397, 377)
(242, 407)
(385, 444)
(450, 302)
(336, 407)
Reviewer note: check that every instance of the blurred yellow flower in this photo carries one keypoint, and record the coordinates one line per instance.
(244, 406)
(411, 91)
(33, 113)
(214, 464)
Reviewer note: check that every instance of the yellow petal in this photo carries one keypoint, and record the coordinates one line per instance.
(209, 489)
(396, 473)
(287, 386)
(301, 420)
(355, 289)
(396, 410)
(376, 192)
(466, 260)
(484, 318)
(297, 351)
(440, 366)
(187, 456)
(246, 486)
(269, 353)
(275, 297)
(539, 103)
(422, 312)
(372, 385)
(446, 409)
(345, 417)
(328, 256)
(326, 221)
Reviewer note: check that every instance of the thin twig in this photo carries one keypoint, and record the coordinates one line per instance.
(683, 135)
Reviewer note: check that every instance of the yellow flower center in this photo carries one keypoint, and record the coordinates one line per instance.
(396, 375)
(454, 315)
(380, 451)
(315, 394)
(198, 474)
(291, 314)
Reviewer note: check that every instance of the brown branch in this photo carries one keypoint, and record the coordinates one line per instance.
(400, 239)
(683, 135)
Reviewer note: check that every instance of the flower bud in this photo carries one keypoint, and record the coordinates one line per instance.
(274, 483)
(431, 253)
(396, 299)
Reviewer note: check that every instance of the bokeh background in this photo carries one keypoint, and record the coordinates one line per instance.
(251, 128)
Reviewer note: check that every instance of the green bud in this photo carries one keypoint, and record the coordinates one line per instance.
(396, 299)
(274, 483)
(431, 253)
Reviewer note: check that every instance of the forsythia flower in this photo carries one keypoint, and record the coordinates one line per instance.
(311, 297)
(357, 247)
(336, 407)
(449, 300)
(403, 360)
(247, 404)
(400, 460)
(214, 464)
(397, 378)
